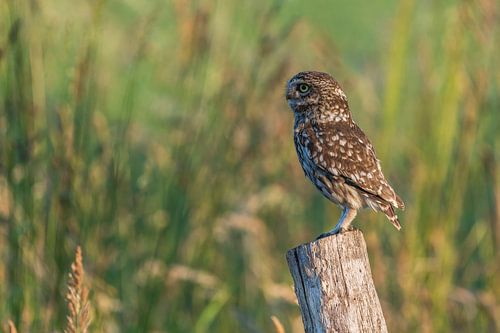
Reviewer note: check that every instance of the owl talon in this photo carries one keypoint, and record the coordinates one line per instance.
(327, 234)
(336, 232)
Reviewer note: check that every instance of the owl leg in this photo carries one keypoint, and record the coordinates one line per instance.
(348, 214)
(351, 214)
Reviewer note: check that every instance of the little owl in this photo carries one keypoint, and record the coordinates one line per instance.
(334, 152)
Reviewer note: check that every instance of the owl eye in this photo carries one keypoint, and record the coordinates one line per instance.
(304, 88)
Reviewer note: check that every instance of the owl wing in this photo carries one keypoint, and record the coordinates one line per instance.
(347, 152)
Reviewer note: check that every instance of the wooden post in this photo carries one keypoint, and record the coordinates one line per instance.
(334, 285)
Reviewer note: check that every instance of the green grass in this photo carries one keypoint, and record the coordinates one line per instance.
(156, 135)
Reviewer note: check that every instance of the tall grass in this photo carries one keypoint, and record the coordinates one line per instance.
(156, 136)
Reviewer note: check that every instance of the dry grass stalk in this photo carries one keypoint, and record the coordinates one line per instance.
(11, 327)
(278, 326)
(77, 298)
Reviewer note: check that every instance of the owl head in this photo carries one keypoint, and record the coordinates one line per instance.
(317, 91)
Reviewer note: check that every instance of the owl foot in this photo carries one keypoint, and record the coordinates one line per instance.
(334, 232)
(329, 233)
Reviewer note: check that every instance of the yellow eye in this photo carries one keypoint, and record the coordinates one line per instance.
(303, 88)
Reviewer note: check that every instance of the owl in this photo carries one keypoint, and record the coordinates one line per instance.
(334, 152)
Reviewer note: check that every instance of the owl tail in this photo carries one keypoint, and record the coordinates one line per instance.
(399, 203)
(391, 216)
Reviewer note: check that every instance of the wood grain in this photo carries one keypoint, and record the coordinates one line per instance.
(334, 285)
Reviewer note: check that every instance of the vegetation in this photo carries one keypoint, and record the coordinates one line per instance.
(156, 135)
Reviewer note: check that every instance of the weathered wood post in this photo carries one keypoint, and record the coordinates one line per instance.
(334, 285)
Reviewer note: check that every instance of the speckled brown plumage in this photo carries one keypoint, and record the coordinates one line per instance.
(334, 152)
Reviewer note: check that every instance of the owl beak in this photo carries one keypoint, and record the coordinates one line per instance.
(290, 94)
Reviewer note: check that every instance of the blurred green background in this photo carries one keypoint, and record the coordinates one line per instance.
(156, 135)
